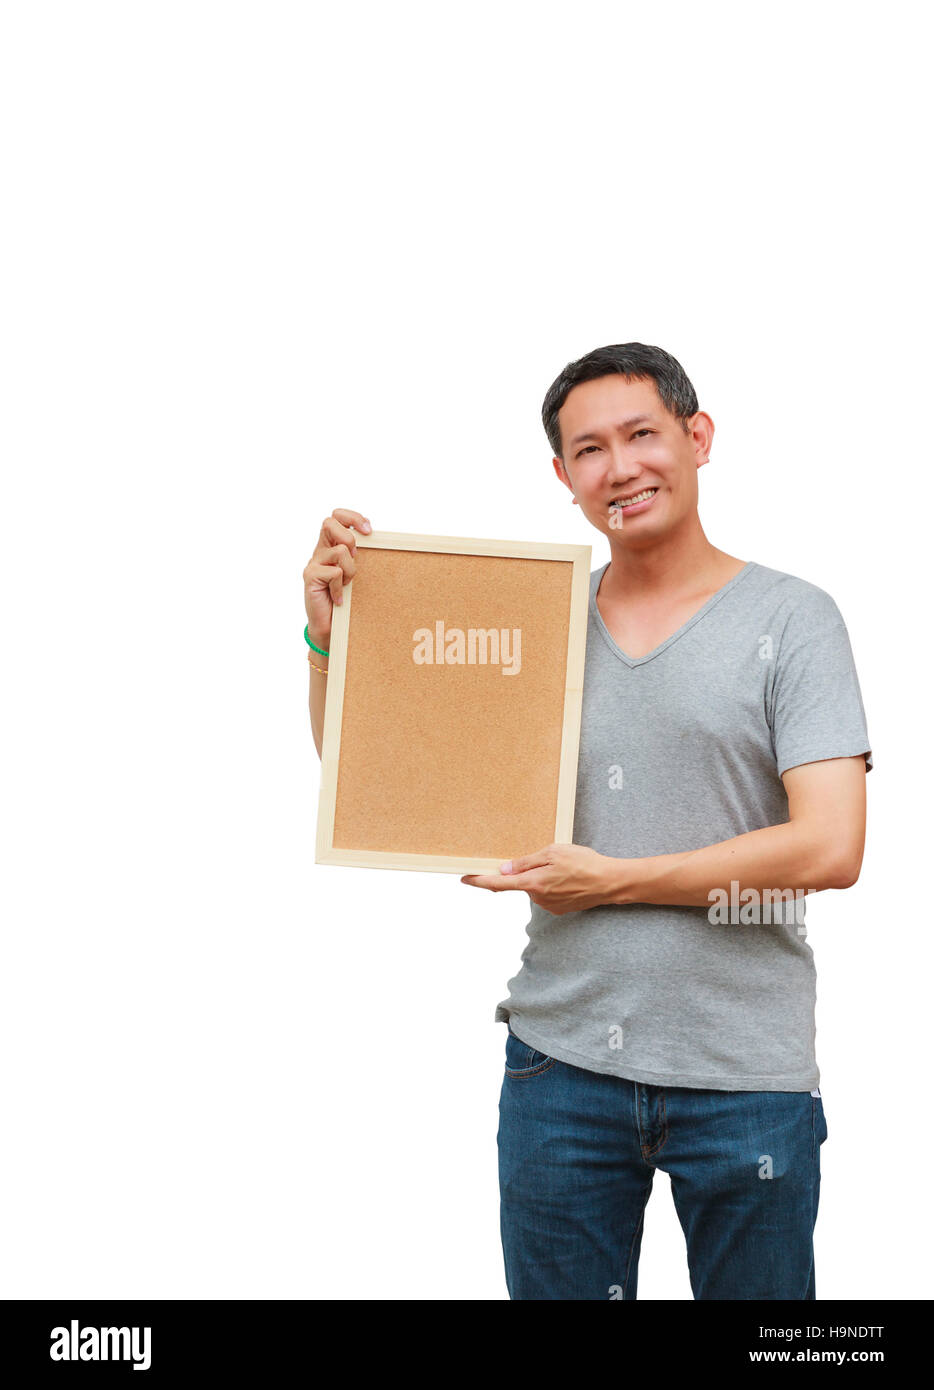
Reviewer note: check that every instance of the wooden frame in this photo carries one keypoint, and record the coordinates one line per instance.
(457, 760)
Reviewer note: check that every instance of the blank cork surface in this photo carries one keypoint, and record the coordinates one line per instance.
(452, 758)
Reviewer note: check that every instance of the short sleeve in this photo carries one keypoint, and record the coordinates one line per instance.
(816, 709)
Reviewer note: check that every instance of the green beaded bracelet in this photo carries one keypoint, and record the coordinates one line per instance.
(312, 645)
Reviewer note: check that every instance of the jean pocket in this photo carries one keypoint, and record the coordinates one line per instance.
(523, 1060)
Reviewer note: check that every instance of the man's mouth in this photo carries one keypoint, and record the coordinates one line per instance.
(624, 503)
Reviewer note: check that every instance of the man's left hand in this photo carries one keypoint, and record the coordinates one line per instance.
(559, 878)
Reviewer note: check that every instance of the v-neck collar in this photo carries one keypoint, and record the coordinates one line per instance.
(695, 618)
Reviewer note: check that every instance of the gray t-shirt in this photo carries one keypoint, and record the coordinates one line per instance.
(679, 749)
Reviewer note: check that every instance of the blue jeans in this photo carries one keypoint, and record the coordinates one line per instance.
(577, 1155)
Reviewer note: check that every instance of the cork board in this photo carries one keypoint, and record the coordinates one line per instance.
(452, 720)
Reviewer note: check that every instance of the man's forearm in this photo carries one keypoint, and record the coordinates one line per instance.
(778, 857)
(317, 696)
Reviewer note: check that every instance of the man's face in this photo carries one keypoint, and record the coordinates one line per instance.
(619, 441)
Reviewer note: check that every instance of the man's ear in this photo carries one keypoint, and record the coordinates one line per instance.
(562, 473)
(702, 431)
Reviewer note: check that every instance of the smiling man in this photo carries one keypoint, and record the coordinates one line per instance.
(723, 750)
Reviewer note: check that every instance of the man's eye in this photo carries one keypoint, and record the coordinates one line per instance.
(587, 448)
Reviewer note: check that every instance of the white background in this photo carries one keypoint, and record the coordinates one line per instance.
(263, 260)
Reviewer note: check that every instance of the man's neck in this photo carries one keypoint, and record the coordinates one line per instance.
(677, 566)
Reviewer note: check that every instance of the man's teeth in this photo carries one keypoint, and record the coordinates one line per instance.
(639, 497)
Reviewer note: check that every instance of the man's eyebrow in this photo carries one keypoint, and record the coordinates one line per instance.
(623, 425)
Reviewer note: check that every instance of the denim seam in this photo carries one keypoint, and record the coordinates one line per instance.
(632, 1243)
(531, 1071)
(664, 1127)
(646, 1150)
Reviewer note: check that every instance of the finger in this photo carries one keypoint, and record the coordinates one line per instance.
(334, 532)
(347, 517)
(522, 883)
(343, 520)
(343, 556)
(318, 575)
(527, 861)
(497, 883)
(331, 577)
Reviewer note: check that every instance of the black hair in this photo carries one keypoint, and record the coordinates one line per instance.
(635, 361)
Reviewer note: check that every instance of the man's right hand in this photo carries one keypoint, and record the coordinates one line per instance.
(331, 567)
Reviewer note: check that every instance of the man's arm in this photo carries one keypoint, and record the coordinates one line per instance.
(331, 567)
(821, 846)
(317, 696)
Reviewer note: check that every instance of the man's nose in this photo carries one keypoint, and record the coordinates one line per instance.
(621, 469)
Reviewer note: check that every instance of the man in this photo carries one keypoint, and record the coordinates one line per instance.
(723, 757)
